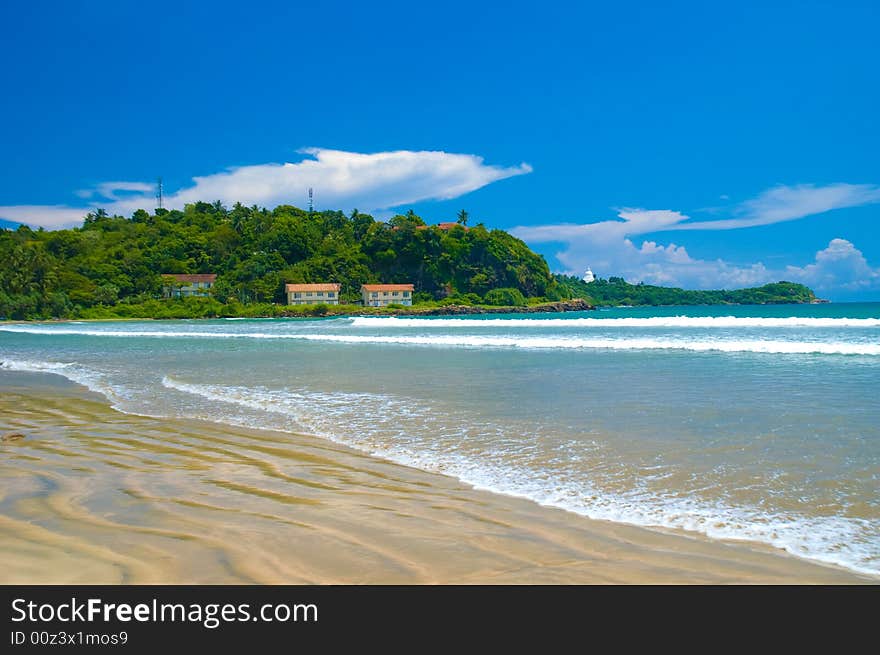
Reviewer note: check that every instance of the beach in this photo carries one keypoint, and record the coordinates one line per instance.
(94, 495)
(678, 444)
(447, 328)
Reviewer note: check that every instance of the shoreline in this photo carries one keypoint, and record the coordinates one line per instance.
(241, 505)
(564, 306)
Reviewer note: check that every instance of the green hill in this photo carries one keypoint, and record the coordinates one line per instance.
(113, 266)
(616, 291)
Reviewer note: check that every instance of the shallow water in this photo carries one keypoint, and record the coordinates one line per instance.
(753, 423)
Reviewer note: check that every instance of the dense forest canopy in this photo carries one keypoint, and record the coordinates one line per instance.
(113, 260)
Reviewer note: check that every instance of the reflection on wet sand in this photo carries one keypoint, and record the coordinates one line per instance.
(91, 495)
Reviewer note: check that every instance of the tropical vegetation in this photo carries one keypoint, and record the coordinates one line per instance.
(617, 291)
(113, 266)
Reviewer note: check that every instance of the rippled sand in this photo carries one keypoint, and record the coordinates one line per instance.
(91, 495)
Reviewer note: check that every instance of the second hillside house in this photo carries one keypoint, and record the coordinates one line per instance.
(380, 295)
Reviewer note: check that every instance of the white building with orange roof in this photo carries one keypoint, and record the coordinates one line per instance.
(177, 285)
(312, 294)
(380, 295)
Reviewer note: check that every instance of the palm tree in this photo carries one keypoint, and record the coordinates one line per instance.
(462, 217)
(91, 217)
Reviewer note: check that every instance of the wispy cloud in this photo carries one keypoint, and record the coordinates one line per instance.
(342, 180)
(789, 203)
(635, 221)
(608, 247)
(51, 217)
(111, 190)
(776, 205)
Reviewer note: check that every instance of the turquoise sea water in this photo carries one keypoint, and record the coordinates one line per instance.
(743, 422)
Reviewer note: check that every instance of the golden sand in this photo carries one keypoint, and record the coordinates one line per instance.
(92, 495)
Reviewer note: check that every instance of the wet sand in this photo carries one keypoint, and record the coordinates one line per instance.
(92, 495)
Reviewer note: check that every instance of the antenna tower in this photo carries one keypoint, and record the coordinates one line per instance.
(159, 192)
(311, 203)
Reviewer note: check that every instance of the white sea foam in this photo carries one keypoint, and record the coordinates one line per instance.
(288, 402)
(36, 367)
(648, 322)
(843, 541)
(490, 341)
(577, 343)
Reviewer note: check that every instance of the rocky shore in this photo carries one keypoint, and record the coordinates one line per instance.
(577, 305)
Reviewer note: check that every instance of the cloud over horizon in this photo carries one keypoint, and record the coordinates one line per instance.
(381, 181)
(608, 247)
(344, 180)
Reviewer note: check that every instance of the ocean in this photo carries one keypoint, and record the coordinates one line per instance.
(754, 423)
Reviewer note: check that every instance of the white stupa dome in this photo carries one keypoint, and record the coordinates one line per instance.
(588, 276)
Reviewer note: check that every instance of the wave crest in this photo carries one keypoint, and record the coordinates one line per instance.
(768, 346)
(653, 321)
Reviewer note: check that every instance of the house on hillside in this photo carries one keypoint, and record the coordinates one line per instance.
(448, 226)
(177, 285)
(312, 294)
(445, 227)
(380, 295)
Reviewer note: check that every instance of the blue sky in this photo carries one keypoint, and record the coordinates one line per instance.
(605, 134)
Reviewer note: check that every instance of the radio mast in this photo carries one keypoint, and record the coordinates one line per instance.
(159, 192)
(311, 203)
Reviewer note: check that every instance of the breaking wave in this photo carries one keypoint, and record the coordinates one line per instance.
(654, 321)
(768, 346)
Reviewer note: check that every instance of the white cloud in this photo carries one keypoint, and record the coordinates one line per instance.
(348, 179)
(635, 221)
(652, 263)
(341, 180)
(788, 203)
(779, 204)
(839, 266)
(607, 247)
(112, 189)
(52, 217)
(839, 270)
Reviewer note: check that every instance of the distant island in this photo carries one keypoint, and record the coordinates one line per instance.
(615, 291)
(118, 267)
